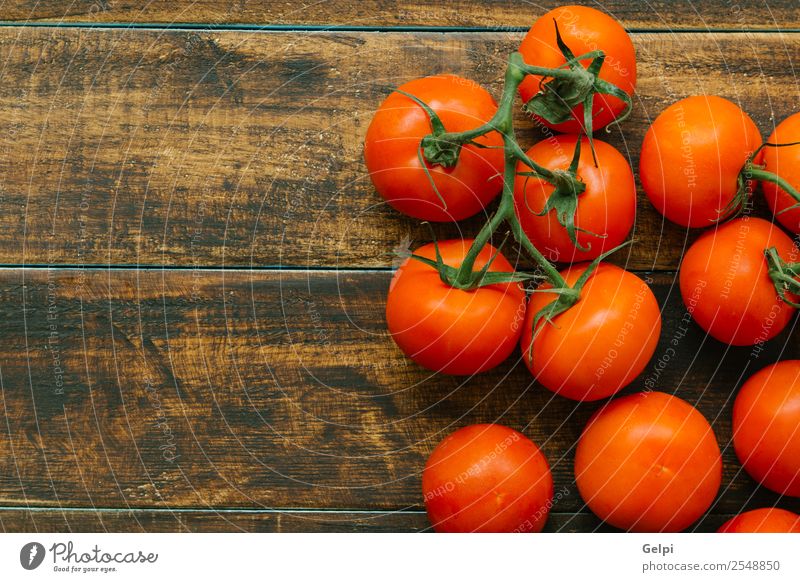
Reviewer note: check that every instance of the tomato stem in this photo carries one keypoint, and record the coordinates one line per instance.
(785, 276)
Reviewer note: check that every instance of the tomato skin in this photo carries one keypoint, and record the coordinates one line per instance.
(393, 139)
(450, 330)
(648, 463)
(725, 283)
(691, 158)
(600, 344)
(785, 162)
(487, 478)
(607, 206)
(766, 520)
(766, 427)
(583, 29)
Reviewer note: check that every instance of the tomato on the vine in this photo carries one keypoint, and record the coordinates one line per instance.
(487, 478)
(583, 30)
(648, 463)
(692, 157)
(766, 427)
(451, 330)
(600, 344)
(726, 286)
(766, 520)
(606, 209)
(784, 162)
(392, 150)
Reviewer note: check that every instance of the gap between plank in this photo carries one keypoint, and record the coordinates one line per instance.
(189, 26)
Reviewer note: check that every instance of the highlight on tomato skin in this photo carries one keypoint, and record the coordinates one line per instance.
(766, 520)
(392, 150)
(692, 156)
(487, 478)
(583, 30)
(766, 427)
(450, 330)
(599, 345)
(725, 282)
(648, 462)
(785, 162)
(606, 210)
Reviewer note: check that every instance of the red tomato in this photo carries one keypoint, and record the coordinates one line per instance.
(583, 30)
(648, 463)
(607, 206)
(450, 330)
(692, 156)
(487, 478)
(725, 283)
(599, 345)
(767, 520)
(392, 146)
(766, 427)
(785, 162)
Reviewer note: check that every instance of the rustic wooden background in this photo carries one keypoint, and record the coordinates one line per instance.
(194, 263)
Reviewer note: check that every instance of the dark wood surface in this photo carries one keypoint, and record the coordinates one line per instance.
(653, 14)
(194, 265)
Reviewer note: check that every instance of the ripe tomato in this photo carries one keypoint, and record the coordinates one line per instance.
(785, 162)
(599, 345)
(583, 30)
(766, 427)
(725, 283)
(607, 207)
(692, 156)
(648, 463)
(767, 520)
(487, 478)
(451, 330)
(392, 146)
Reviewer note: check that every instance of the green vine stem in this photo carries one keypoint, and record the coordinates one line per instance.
(443, 148)
(784, 276)
(752, 171)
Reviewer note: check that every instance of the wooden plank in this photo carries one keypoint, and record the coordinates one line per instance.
(657, 14)
(217, 389)
(61, 521)
(267, 521)
(134, 147)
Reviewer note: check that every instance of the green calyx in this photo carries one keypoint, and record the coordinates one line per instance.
(784, 276)
(558, 97)
(566, 297)
(563, 200)
(455, 276)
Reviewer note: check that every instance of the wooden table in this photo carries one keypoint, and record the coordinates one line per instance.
(195, 263)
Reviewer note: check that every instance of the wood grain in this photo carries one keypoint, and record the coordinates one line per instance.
(105, 520)
(183, 148)
(214, 389)
(658, 14)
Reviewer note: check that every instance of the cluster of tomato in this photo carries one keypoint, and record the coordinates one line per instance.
(440, 149)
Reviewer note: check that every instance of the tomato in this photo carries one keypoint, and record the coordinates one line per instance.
(725, 283)
(451, 330)
(692, 156)
(392, 147)
(785, 162)
(766, 427)
(607, 207)
(599, 345)
(766, 520)
(583, 30)
(487, 478)
(648, 463)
